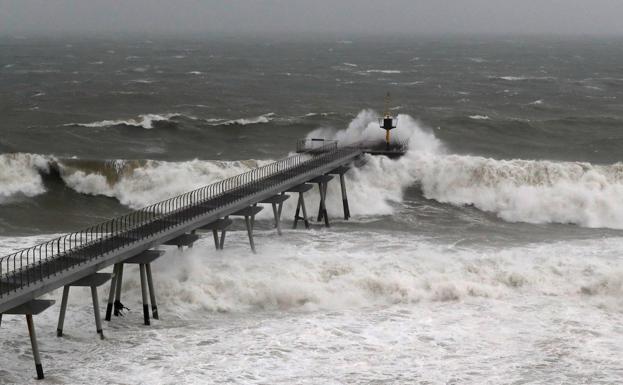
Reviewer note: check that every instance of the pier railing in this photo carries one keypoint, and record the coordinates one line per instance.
(36, 263)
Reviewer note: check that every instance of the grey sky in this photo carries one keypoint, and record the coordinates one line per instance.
(298, 16)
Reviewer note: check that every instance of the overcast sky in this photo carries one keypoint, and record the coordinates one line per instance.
(346, 17)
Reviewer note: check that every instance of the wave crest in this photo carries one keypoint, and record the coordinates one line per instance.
(20, 174)
(145, 121)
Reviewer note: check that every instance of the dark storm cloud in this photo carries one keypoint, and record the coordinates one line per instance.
(297, 16)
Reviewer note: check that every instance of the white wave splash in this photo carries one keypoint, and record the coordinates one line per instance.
(155, 180)
(21, 174)
(520, 78)
(480, 117)
(533, 191)
(300, 272)
(145, 121)
(246, 121)
(266, 118)
(383, 71)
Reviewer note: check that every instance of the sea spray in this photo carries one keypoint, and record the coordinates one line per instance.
(21, 174)
(301, 272)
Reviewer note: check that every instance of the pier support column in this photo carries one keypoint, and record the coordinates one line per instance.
(93, 281)
(118, 306)
(217, 243)
(111, 295)
(35, 346)
(29, 309)
(96, 312)
(190, 246)
(152, 293)
(344, 198)
(277, 219)
(144, 294)
(61, 315)
(249, 214)
(249, 223)
(323, 184)
(148, 292)
(301, 207)
(322, 206)
(276, 201)
(223, 232)
(281, 205)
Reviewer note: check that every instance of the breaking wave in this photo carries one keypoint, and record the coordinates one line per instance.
(20, 174)
(480, 117)
(139, 183)
(149, 121)
(533, 191)
(301, 272)
(266, 118)
(521, 78)
(145, 121)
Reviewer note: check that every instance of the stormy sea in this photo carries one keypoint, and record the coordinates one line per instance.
(490, 253)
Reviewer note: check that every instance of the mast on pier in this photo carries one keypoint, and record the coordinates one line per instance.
(387, 122)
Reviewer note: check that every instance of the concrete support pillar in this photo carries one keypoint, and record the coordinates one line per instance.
(96, 312)
(322, 208)
(223, 232)
(111, 294)
(61, 316)
(249, 223)
(190, 246)
(344, 198)
(118, 306)
(144, 293)
(217, 244)
(92, 281)
(301, 206)
(35, 346)
(152, 293)
(277, 218)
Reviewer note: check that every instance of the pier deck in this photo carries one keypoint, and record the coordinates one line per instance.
(29, 273)
(68, 260)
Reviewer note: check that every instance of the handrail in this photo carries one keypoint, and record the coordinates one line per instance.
(29, 265)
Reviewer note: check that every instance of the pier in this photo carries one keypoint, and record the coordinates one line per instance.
(75, 259)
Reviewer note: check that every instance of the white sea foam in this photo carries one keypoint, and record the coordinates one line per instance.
(479, 117)
(142, 81)
(383, 71)
(301, 272)
(513, 78)
(321, 307)
(20, 174)
(520, 78)
(266, 118)
(145, 121)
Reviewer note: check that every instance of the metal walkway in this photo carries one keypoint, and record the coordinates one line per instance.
(30, 273)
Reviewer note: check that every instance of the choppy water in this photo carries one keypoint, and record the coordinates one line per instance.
(490, 253)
